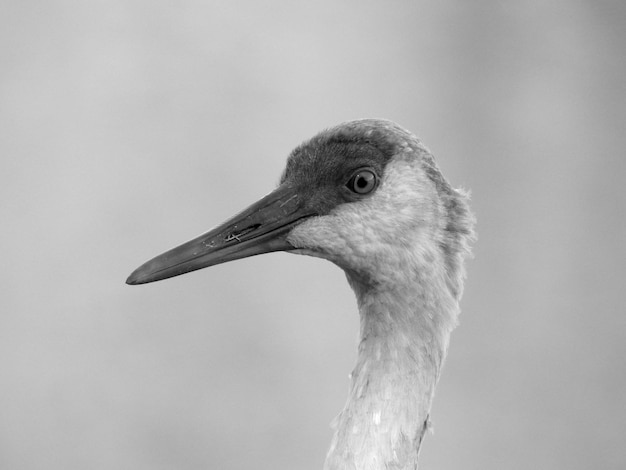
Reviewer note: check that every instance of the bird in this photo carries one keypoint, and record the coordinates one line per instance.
(368, 196)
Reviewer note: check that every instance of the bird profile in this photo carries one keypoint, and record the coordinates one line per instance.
(368, 196)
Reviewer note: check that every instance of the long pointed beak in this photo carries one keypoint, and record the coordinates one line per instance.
(261, 228)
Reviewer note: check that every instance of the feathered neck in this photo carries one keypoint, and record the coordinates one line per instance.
(405, 326)
(403, 341)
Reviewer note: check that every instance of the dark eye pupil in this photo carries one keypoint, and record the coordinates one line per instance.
(363, 182)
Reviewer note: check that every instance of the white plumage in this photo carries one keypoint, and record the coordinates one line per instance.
(368, 196)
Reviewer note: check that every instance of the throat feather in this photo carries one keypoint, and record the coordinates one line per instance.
(403, 341)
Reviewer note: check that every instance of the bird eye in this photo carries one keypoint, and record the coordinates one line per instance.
(362, 182)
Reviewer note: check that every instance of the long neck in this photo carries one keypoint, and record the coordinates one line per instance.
(403, 342)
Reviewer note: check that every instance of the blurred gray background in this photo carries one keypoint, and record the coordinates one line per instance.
(128, 127)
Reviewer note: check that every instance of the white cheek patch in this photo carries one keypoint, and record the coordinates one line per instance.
(398, 204)
(360, 231)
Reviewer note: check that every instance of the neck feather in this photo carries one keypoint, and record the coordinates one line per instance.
(403, 342)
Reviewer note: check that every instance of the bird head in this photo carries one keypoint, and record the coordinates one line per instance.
(366, 195)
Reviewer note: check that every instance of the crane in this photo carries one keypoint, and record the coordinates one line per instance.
(368, 196)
